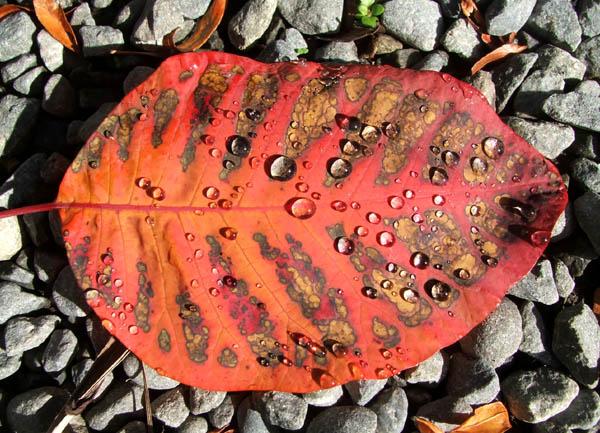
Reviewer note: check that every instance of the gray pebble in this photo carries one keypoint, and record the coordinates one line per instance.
(129, 14)
(587, 209)
(482, 81)
(203, 401)
(17, 67)
(170, 408)
(222, 415)
(53, 54)
(565, 225)
(509, 75)
(251, 22)
(157, 19)
(589, 17)
(362, 391)
(536, 341)
(82, 16)
(558, 61)
(586, 173)
(556, 21)
(578, 108)
(17, 117)
(582, 413)
(429, 372)
(284, 49)
(80, 369)
(32, 411)
(14, 273)
(117, 406)
(324, 397)
(313, 17)
(562, 278)
(67, 295)
(8, 364)
(135, 77)
(15, 301)
(549, 138)
(391, 408)
(587, 145)
(344, 419)
(538, 285)
(497, 337)
(576, 342)
(16, 35)
(534, 396)
(446, 413)
(193, 9)
(385, 44)
(534, 90)
(59, 350)
(194, 424)
(416, 22)
(434, 61)
(406, 57)
(133, 369)
(462, 39)
(507, 16)
(472, 380)
(249, 420)
(59, 96)
(588, 53)
(281, 409)
(25, 333)
(337, 52)
(99, 40)
(31, 83)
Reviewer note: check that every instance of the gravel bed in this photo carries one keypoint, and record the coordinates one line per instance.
(538, 352)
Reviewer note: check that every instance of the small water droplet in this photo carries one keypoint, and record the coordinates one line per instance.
(385, 239)
(490, 261)
(419, 260)
(225, 204)
(361, 231)
(438, 176)
(133, 330)
(523, 210)
(143, 182)
(462, 274)
(215, 153)
(281, 167)
(252, 114)
(438, 290)
(213, 291)
(263, 361)
(478, 165)
(474, 210)
(373, 218)
(149, 220)
(395, 202)
(369, 292)
(301, 208)
(438, 200)
(408, 193)
(229, 281)
(211, 193)
(493, 147)
(190, 237)
(285, 361)
(385, 353)
(409, 295)
(349, 147)
(370, 133)
(118, 283)
(228, 233)
(344, 245)
(417, 218)
(302, 186)
(157, 193)
(540, 237)
(381, 373)
(450, 158)
(338, 205)
(339, 168)
(391, 267)
(108, 325)
(352, 124)
(107, 259)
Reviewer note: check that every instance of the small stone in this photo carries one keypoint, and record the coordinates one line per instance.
(153, 380)
(59, 96)
(12, 272)
(100, 40)
(391, 408)
(462, 39)
(416, 22)
(82, 16)
(429, 372)
(135, 77)
(15, 301)
(406, 57)
(589, 17)
(556, 21)
(251, 22)
(576, 342)
(534, 90)
(472, 380)
(385, 44)
(313, 17)
(33, 411)
(249, 420)
(194, 424)
(170, 408)
(157, 19)
(281, 409)
(80, 369)
(337, 52)
(285, 49)
(193, 9)
(549, 138)
(17, 117)
(17, 67)
(482, 81)
(67, 295)
(587, 209)
(25, 333)
(324, 397)
(54, 55)
(31, 83)
(446, 413)
(222, 415)
(203, 401)
(565, 225)
(434, 61)
(344, 419)
(586, 173)
(497, 337)
(588, 54)
(538, 285)
(9, 364)
(507, 16)
(582, 413)
(59, 350)
(16, 35)
(554, 60)
(537, 395)
(117, 406)
(129, 14)
(535, 336)
(362, 391)
(509, 75)
(578, 108)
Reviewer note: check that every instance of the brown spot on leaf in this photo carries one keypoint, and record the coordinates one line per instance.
(163, 112)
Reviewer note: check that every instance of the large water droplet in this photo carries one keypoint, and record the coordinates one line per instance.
(339, 205)
(361, 231)
(479, 166)
(395, 202)
(301, 208)
(228, 233)
(419, 260)
(373, 218)
(229, 281)
(527, 212)
(143, 182)
(369, 292)
(438, 176)
(339, 168)
(280, 167)
(385, 239)
(344, 245)
(157, 193)
(462, 274)
(438, 200)
(349, 147)
(252, 114)
(409, 295)
(370, 133)
(438, 290)
(335, 347)
(450, 158)
(493, 147)
(490, 261)
(238, 145)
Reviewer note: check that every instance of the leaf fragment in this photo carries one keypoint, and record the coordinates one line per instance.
(53, 18)
(498, 54)
(490, 418)
(204, 28)
(6, 10)
(425, 426)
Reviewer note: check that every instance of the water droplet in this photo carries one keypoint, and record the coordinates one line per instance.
(213, 291)
(525, 211)
(438, 200)
(474, 210)
(215, 153)
(252, 114)
(438, 176)
(118, 283)
(280, 167)
(438, 290)
(300, 339)
(385, 353)
(285, 361)
(391, 267)
(157, 193)
(462, 274)
(107, 259)
(417, 218)
(143, 182)
(386, 284)
(302, 186)
(490, 261)
(369, 292)
(409, 295)
(381, 373)
(228, 164)
(92, 297)
(361, 231)
(540, 237)
(344, 245)
(229, 281)
(373, 218)
(316, 350)
(355, 371)
(493, 147)
(395, 202)
(338, 205)
(263, 361)
(211, 193)
(349, 147)
(390, 130)
(450, 158)
(408, 193)
(108, 325)
(350, 123)
(316, 195)
(228, 233)
(149, 220)
(190, 237)
(370, 133)
(385, 239)
(419, 260)
(339, 168)
(133, 330)
(478, 165)
(225, 204)
(301, 208)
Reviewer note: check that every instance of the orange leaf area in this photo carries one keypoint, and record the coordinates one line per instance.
(596, 305)
(293, 226)
(203, 29)
(6, 10)
(55, 22)
(490, 418)
(498, 54)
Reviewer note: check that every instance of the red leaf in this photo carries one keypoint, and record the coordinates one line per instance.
(55, 22)
(498, 54)
(211, 238)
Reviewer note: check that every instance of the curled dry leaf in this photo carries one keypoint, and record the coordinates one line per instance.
(425, 426)
(203, 29)
(6, 10)
(499, 53)
(53, 18)
(471, 11)
(490, 418)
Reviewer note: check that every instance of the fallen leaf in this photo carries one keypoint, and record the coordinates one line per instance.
(498, 54)
(426, 426)
(596, 306)
(490, 418)
(204, 28)
(471, 12)
(52, 17)
(6, 10)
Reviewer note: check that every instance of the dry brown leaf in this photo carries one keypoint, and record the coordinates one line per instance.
(487, 39)
(596, 306)
(55, 22)
(425, 426)
(6, 10)
(204, 27)
(471, 11)
(499, 53)
(491, 418)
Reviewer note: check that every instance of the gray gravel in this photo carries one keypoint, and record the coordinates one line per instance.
(429, 372)
(203, 401)
(17, 116)
(509, 75)
(507, 16)
(33, 410)
(249, 420)
(391, 407)
(170, 408)
(588, 54)
(362, 391)
(472, 380)
(418, 23)
(462, 39)
(281, 409)
(222, 415)
(59, 350)
(324, 397)
(100, 40)
(338, 52)
(586, 173)
(557, 22)
(344, 419)
(578, 108)
(536, 340)
(115, 408)
(17, 67)
(16, 301)
(251, 22)
(589, 17)
(538, 285)
(534, 90)
(16, 35)
(557, 61)
(24, 333)
(447, 413)
(312, 17)
(586, 210)
(549, 138)
(483, 82)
